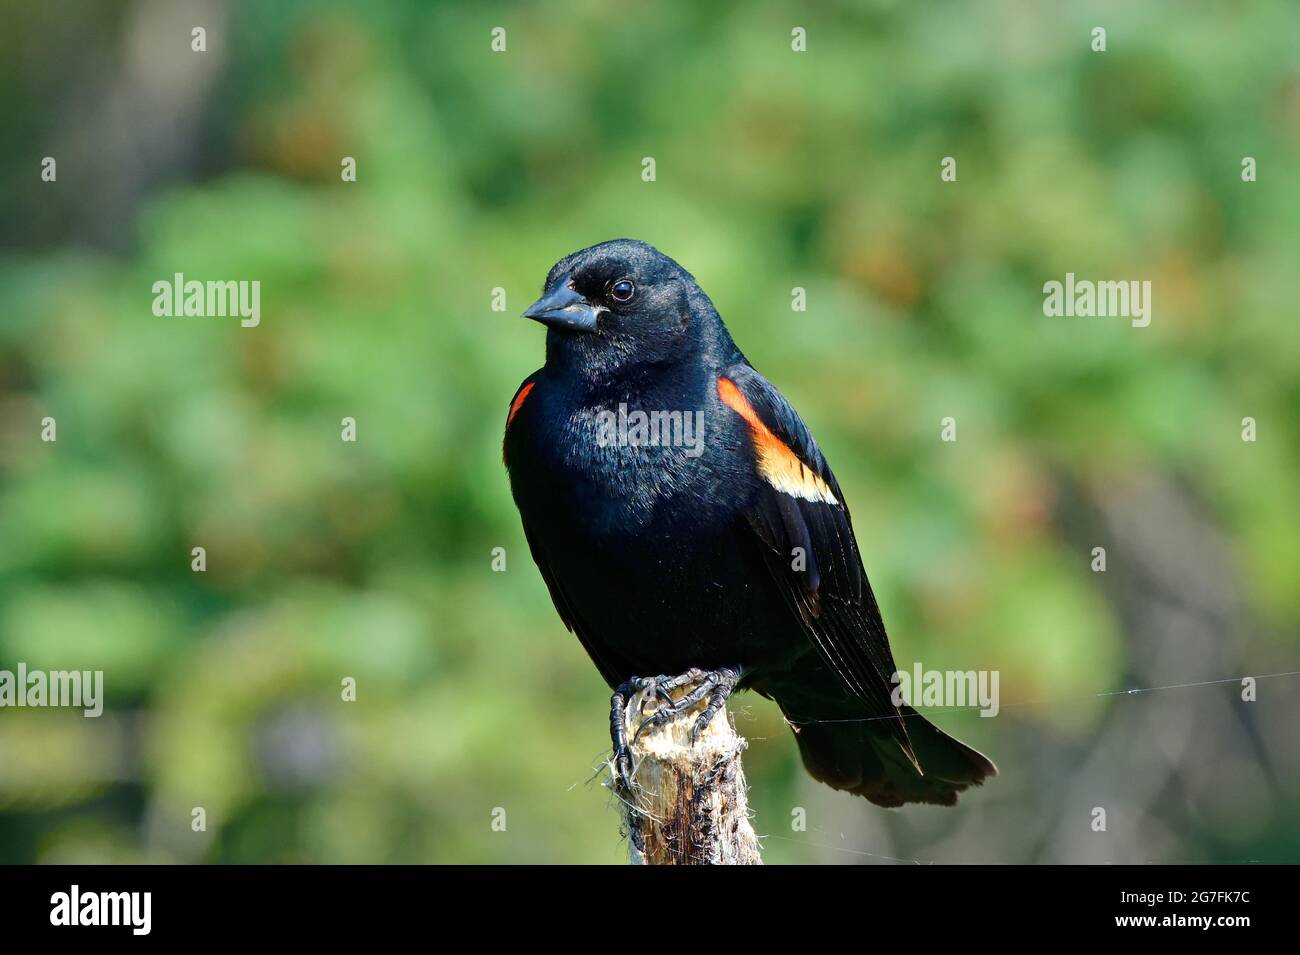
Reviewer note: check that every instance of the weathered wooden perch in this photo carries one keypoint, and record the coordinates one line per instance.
(687, 804)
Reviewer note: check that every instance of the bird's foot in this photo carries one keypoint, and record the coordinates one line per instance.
(715, 686)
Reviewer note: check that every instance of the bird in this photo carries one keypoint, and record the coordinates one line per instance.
(692, 534)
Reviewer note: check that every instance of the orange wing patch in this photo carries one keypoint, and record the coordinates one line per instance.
(779, 466)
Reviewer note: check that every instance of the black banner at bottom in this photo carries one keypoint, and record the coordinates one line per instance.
(336, 904)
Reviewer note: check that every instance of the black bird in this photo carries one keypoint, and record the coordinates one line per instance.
(728, 557)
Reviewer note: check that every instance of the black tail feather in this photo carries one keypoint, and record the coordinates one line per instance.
(857, 757)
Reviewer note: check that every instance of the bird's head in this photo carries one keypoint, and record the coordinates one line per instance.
(617, 306)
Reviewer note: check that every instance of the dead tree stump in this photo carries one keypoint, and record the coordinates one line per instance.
(687, 804)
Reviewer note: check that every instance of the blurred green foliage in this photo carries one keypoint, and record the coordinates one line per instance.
(478, 170)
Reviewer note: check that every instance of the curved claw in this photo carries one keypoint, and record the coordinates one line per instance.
(658, 685)
(701, 723)
(660, 716)
(624, 769)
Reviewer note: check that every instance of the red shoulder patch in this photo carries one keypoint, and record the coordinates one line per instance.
(519, 401)
(514, 410)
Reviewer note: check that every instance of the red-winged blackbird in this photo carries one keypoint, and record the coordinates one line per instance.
(669, 550)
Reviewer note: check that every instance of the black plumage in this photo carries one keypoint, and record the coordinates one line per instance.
(734, 554)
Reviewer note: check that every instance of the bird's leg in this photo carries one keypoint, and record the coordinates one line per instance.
(715, 684)
(622, 764)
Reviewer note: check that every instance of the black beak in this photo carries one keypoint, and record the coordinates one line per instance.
(564, 308)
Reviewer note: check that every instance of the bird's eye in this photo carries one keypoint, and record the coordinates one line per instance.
(622, 290)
